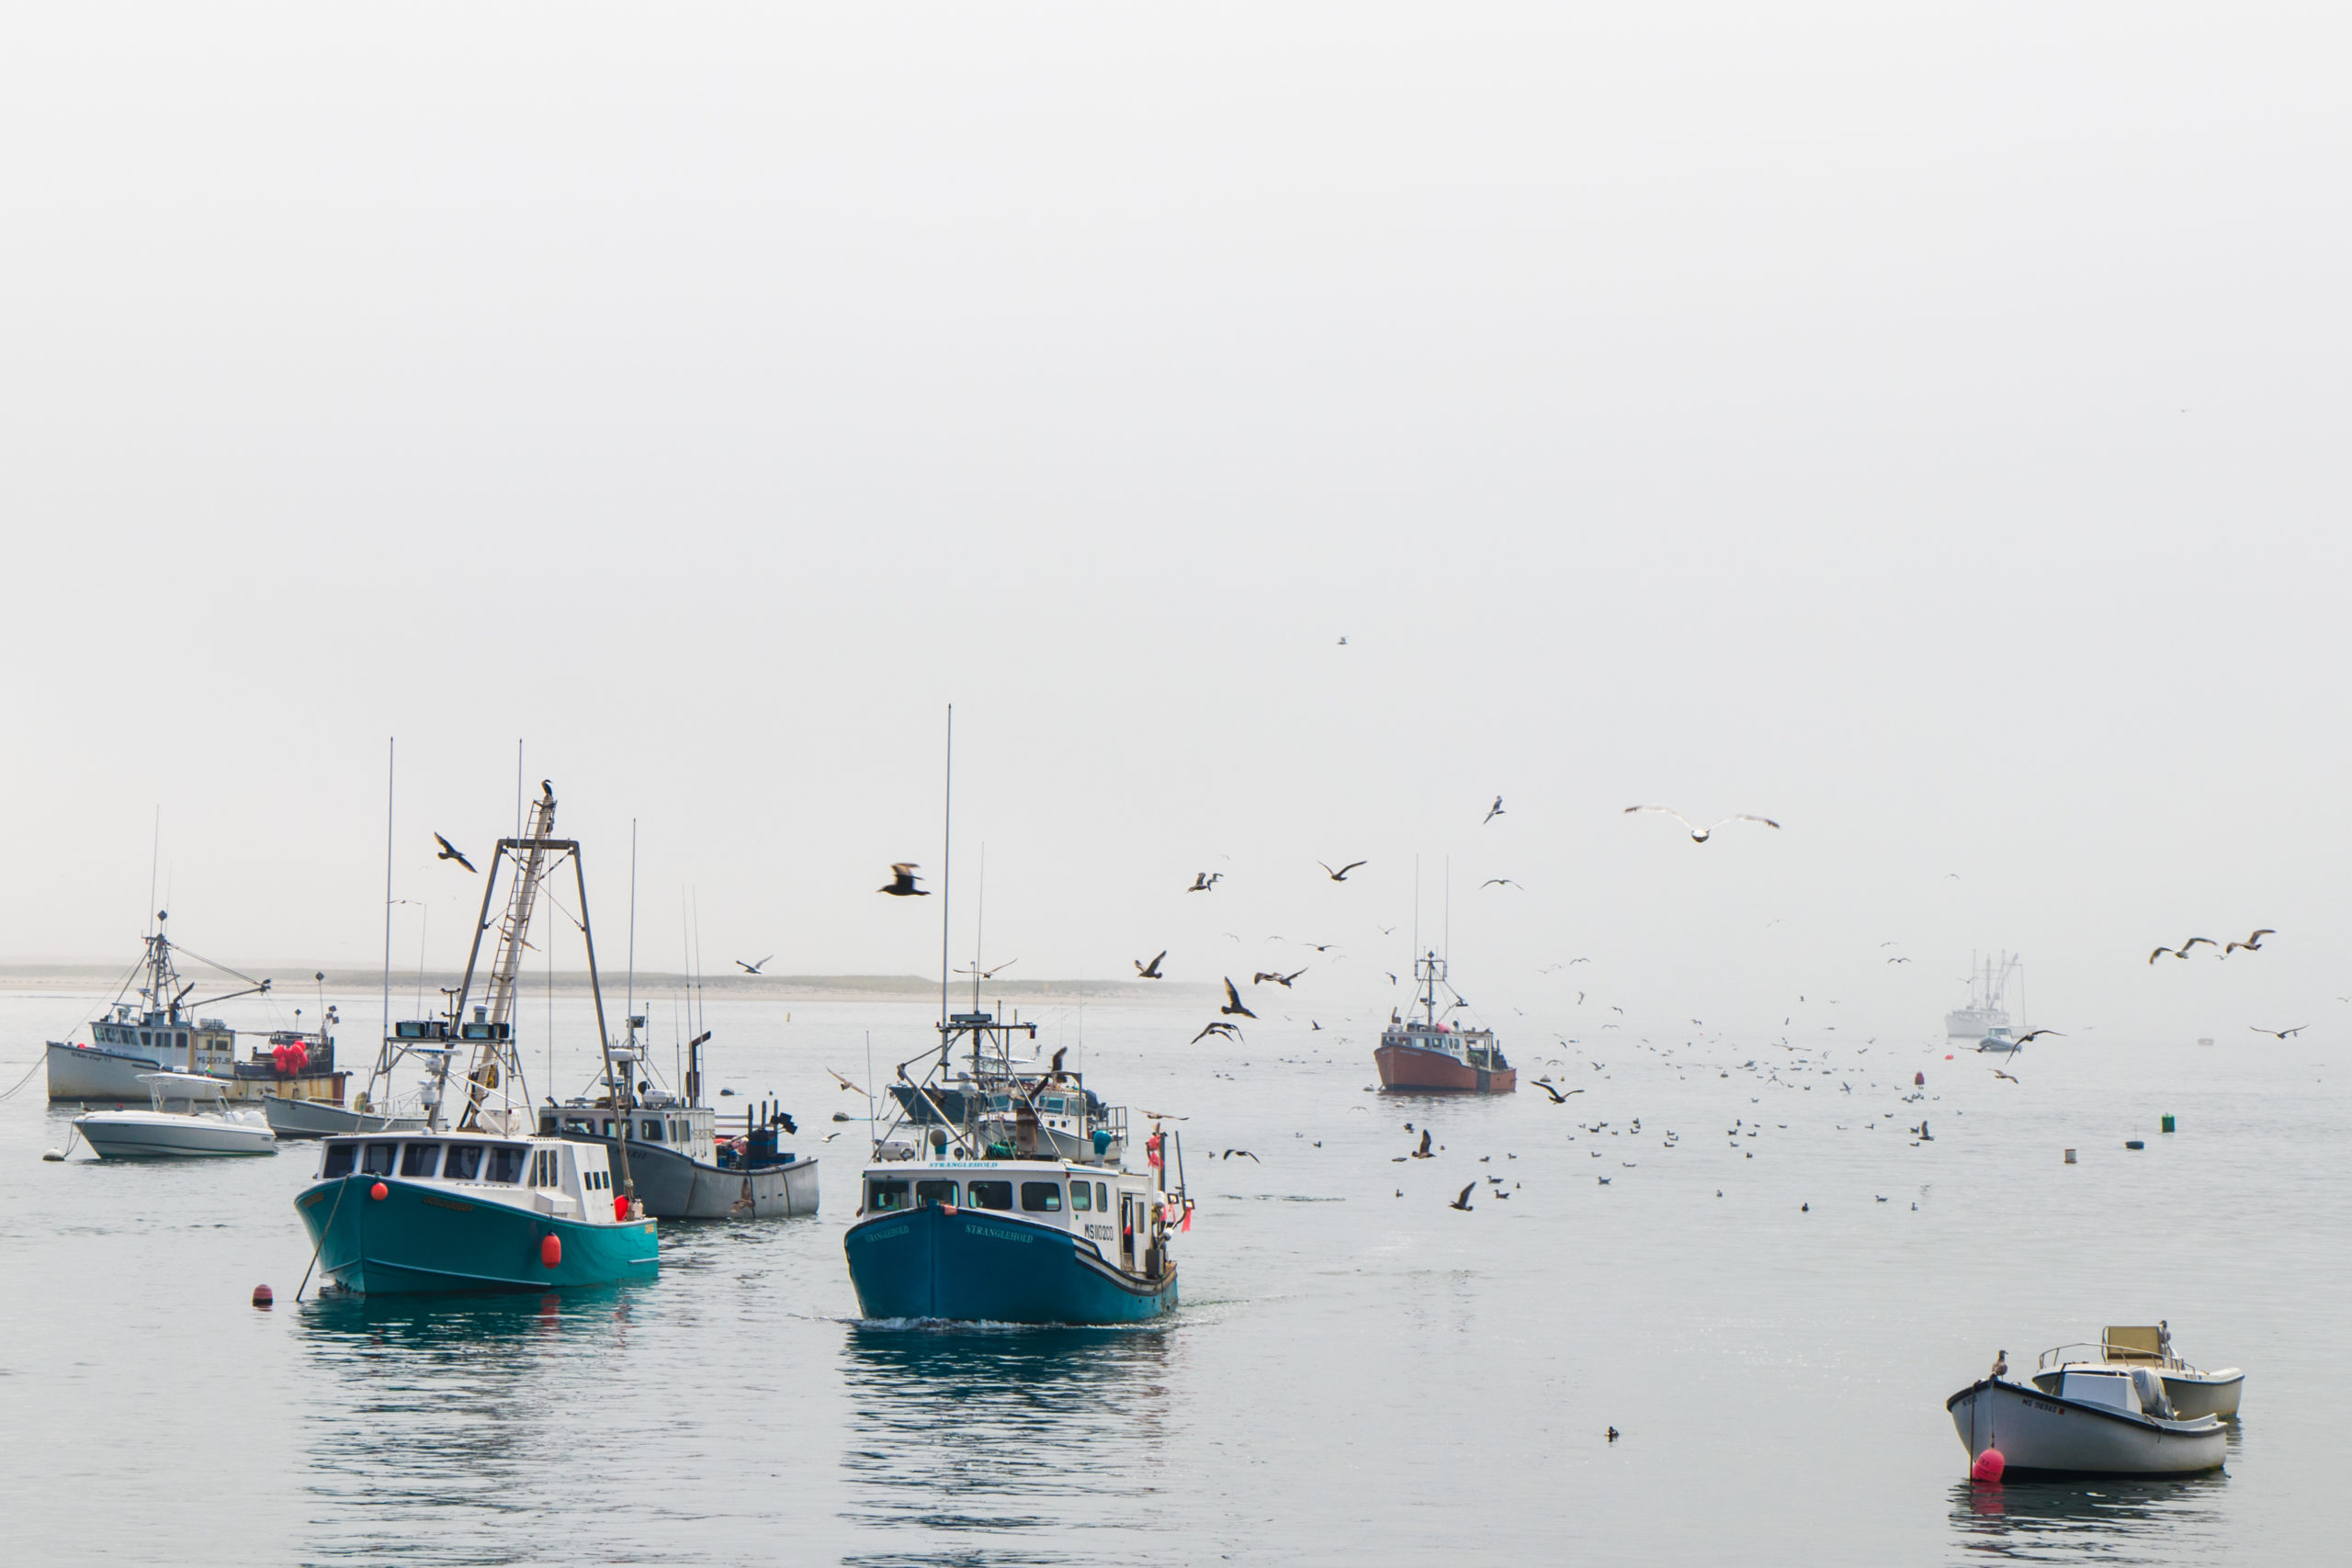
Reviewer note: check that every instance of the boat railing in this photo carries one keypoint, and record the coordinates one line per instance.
(2109, 1355)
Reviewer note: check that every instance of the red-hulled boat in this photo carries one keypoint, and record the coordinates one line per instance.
(1427, 1054)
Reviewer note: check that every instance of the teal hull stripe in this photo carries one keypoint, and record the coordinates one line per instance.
(978, 1266)
(421, 1239)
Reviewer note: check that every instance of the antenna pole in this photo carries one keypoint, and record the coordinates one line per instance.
(388, 749)
(946, 845)
(632, 918)
(518, 786)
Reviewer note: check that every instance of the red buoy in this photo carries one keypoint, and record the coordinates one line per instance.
(1989, 1467)
(621, 1207)
(379, 1193)
(262, 1297)
(551, 1251)
(1919, 1078)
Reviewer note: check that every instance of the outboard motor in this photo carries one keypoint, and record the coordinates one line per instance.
(2150, 1386)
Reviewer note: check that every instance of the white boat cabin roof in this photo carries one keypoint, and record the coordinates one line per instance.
(552, 1176)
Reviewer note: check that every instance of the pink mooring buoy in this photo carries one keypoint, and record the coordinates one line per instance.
(1989, 1467)
(262, 1297)
(1920, 1080)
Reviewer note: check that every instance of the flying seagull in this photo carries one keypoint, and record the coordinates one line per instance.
(1501, 882)
(2280, 1033)
(1245, 1153)
(1699, 835)
(1493, 811)
(1282, 980)
(1557, 1098)
(2035, 1035)
(1205, 880)
(1151, 971)
(755, 968)
(1055, 1069)
(1219, 1028)
(2182, 951)
(1998, 1074)
(1233, 1001)
(449, 851)
(902, 881)
(1462, 1202)
(1341, 874)
(846, 1084)
(2252, 943)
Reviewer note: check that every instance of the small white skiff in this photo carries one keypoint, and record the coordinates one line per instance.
(2098, 1420)
(2193, 1391)
(189, 1119)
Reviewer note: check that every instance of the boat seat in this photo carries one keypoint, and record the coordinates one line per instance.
(2134, 1343)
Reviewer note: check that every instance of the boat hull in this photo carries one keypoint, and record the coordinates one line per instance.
(419, 1238)
(982, 1266)
(2212, 1394)
(2036, 1431)
(323, 1119)
(1404, 1068)
(150, 1134)
(673, 1186)
(89, 1073)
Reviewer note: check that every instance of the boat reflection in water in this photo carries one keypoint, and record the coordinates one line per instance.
(2104, 1519)
(1085, 1409)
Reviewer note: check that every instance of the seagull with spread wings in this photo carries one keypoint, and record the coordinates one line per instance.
(902, 881)
(755, 968)
(1341, 874)
(1151, 971)
(2252, 943)
(2279, 1034)
(1699, 835)
(450, 851)
(1233, 1001)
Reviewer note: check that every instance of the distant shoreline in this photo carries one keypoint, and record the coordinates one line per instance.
(294, 979)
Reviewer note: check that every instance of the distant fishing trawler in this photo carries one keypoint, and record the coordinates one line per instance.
(1988, 1007)
(162, 1034)
(1424, 1054)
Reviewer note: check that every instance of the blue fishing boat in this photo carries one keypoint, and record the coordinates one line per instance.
(1013, 1203)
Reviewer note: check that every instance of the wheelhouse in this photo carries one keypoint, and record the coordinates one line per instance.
(571, 1180)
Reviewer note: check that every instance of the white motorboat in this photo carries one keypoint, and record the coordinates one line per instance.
(1997, 1039)
(2097, 1420)
(2192, 1391)
(189, 1118)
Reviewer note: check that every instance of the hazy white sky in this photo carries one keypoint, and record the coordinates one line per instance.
(1922, 424)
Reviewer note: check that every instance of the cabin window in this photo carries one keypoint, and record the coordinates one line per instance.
(1054, 1104)
(142, 1037)
(880, 1195)
(992, 1195)
(1081, 1197)
(605, 1128)
(580, 1124)
(650, 1132)
(380, 1159)
(1041, 1197)
(340, 1160)
(505, 1163)
(547, 1169)
(419, 1159)
(930, 1193)
(181, 1041)
(1103, 1196)
(464, 1163)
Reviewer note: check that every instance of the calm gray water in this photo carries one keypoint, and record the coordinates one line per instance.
(1356, 1376)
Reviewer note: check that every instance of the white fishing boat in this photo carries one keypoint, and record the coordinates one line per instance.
(2192, 1390)
(2095, 1420)
(1997, 1040)
(189, 1118)
(1988, 1006)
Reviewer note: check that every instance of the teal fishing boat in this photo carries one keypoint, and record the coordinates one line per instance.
(420, 1212)
(488, 1203)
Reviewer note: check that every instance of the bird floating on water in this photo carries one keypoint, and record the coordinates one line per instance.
(902, 881)
(1699, 835)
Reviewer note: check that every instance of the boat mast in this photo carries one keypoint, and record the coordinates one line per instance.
(494, 1057)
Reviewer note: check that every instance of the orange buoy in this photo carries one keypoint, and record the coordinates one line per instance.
(262, 1297)
(379, 1193)
(551, 1251)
